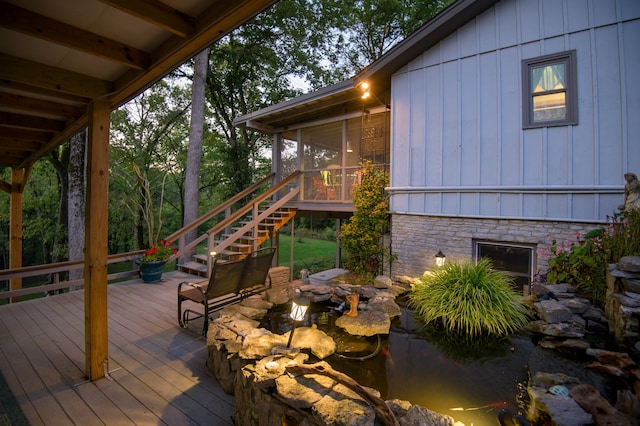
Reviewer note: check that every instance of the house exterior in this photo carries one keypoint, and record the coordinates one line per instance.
(511, 123)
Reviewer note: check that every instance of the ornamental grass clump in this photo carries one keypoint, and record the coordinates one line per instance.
(469, 299)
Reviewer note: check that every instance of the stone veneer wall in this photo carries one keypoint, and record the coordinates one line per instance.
(416, 239)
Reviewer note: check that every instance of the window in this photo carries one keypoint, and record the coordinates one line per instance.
(517, 260)
(550, 95)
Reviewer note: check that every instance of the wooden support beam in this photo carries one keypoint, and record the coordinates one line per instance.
(39, 107)
(15, 228)
(156, 13)
(96, 221)
(52, 78)
(30, 122)
(20, 136)
(22, 20)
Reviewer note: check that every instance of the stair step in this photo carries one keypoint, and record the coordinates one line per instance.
(194, 268)
(201, 258)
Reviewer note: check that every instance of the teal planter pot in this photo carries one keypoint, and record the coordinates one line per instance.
(151, 272)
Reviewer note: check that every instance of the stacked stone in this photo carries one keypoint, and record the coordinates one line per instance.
(280, 277)
(623, 303)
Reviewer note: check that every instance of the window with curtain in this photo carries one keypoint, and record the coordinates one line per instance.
(550, 90)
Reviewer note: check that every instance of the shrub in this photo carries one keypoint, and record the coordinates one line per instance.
(361, 237)
(583, 262)
(469, 299)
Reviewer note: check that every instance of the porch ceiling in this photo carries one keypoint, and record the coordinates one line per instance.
(57, 56)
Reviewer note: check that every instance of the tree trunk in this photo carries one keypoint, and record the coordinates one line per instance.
(192, 182)
(77, 185)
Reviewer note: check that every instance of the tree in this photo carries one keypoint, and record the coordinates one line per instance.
(148, 135)
(192, 172)
(77, 148)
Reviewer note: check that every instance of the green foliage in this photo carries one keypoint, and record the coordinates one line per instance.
(361, 237)
(582, 260)
(469, 299)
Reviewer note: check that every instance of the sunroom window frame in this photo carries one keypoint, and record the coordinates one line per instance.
(568, 58)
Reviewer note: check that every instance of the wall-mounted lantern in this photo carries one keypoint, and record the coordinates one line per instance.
(440, 258)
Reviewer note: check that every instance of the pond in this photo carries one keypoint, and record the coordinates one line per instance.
(470, 381)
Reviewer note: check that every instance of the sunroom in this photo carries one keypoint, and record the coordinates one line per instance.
(326, 135)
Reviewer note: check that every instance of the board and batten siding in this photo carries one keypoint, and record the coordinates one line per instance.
(458, 146)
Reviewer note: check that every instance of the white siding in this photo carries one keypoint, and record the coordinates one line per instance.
(458, 147)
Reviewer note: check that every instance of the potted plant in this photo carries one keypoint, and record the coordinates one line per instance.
(153, 261)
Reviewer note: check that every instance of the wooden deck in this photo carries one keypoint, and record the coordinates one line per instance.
(157, 371)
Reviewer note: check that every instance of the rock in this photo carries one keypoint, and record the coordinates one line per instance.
(259, 343)
(629, 263)
(320, 344)
(326, 277)
(417, 415)
(398, 407)
(568, 345)
(256, 303)
(553, 311)
(278, 296)
(268, 369)
(577, 306)
(562, 410)
(631, 285)
(366, 292)
(627, 301)
(247, 311)
(302, 392)
(388, 306)
(338, 410)
(382, 281)
(367, 323)
(555, 330)
(403, 279)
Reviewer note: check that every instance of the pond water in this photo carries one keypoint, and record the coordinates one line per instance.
(470, 381)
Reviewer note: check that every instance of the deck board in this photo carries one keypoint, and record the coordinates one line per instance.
(157, 370)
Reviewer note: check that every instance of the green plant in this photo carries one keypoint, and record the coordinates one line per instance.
(580, 263)
(361, 237)
(583, 259)
(469, 299)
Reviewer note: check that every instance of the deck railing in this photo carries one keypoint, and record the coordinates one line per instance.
(282, 191)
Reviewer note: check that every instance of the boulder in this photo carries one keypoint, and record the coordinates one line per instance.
(367, 323)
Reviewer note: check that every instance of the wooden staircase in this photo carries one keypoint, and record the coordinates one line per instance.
(245, 243)
(244, 227)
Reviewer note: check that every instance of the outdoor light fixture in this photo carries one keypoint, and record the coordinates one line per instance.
(349, 149)
(298, 311)
(365, 90)
(440, 258)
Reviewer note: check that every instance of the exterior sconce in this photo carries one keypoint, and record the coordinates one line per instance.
(298, 311)
(440, 258)
(365, 90)
(349, 149)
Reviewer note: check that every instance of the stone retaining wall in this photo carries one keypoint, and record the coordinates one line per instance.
(416, 239)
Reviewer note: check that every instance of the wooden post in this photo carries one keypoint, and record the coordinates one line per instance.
(15, 228)
(95, 259)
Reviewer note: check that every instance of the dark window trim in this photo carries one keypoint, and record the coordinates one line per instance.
(571, 65)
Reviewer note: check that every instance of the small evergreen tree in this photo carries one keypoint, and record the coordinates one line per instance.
(362, 236)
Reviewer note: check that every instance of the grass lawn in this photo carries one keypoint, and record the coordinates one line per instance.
(310, 253)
